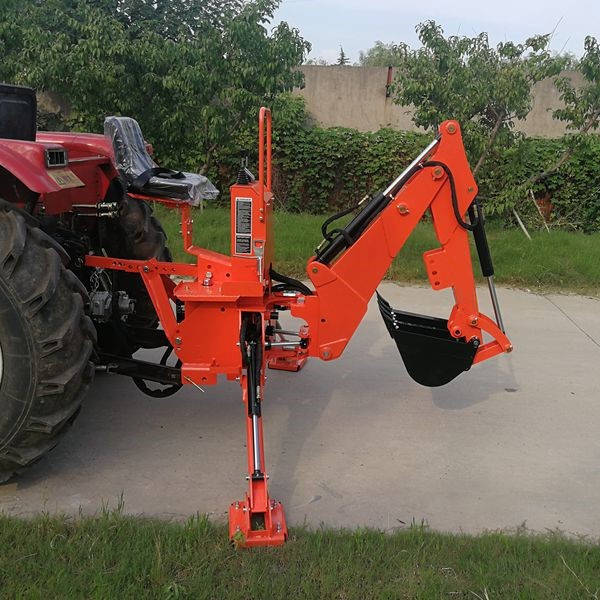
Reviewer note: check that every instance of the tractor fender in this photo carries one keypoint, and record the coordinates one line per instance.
(25, 160)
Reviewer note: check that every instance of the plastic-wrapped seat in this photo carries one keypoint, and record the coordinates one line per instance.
(143, 175)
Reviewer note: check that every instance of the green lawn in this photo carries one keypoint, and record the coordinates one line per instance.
(117, 557)
(558, 261)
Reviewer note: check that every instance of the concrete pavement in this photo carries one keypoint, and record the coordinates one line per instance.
(355, 441)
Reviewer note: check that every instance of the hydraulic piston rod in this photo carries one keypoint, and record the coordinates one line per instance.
(485, 258)
(495, 303)
(254, 405)
(376, 204)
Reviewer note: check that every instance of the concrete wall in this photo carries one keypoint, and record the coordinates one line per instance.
(355, 97)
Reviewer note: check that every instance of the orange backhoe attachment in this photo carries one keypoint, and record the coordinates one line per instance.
(222, 317)
(349, 265)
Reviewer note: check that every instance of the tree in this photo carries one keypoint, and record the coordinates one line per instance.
(485, 88)
(193, 73)
(581, 111)
(342, 58)
(381, 55)
(319, 61)
(582, 103)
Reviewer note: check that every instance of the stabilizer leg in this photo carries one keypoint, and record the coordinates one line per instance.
(257, 520)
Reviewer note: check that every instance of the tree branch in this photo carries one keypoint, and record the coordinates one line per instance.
(566, 154)
(491, 140)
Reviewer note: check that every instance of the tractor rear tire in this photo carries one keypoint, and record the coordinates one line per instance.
(46, 341)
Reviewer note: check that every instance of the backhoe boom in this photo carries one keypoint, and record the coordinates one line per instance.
(347, 272)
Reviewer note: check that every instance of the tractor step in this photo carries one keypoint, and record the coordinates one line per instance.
(431, 355)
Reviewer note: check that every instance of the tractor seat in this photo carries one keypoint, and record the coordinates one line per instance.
(143, 175)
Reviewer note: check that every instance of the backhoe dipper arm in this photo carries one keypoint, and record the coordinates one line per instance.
(346, 273)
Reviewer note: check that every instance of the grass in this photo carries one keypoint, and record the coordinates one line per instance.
(558, 261)
(113, 556)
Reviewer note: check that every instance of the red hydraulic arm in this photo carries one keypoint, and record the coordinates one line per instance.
(345, 284)
(229, 325)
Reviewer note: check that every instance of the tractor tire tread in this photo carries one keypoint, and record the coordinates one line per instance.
(52, 301)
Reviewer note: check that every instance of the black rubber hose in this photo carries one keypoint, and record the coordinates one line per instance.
(288, 283)
(354, 229)
(327, 234)
(468, 226)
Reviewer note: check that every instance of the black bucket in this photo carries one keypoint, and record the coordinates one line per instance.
(431, 355)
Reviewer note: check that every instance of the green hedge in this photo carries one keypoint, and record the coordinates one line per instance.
(329, 169)
(574, 189)
(320, 170)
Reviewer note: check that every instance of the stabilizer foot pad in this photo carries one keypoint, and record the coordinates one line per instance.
(248, 529)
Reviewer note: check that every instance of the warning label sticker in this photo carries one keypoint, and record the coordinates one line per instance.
(243, 244)
(243, 225)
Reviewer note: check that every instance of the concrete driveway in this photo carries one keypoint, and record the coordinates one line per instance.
(356, 442)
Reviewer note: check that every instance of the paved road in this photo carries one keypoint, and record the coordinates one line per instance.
(356, 442)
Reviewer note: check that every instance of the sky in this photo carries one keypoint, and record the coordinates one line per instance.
(357, 24)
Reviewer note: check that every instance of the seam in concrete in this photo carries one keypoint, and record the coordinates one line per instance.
(573, 321)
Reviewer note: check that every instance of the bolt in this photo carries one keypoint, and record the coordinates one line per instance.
(470, 190)
(509, 349)
(474, 320)
(315, 270)
(178, 341)
(146, 269)
(403, 209)
(326, 354)
(437, 173)
(451, 128)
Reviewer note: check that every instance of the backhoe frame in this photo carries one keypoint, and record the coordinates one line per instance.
(231, 304)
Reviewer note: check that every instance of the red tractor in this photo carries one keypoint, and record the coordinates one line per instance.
(86, 280)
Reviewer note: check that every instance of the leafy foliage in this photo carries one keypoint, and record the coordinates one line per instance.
(574, 189)
(193, 73)
(319, 170)
(566, 169)
(382, 55)
(322, 169)
(582, 104)
(483, 87)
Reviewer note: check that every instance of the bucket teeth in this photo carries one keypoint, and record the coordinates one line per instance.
(431, 355)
